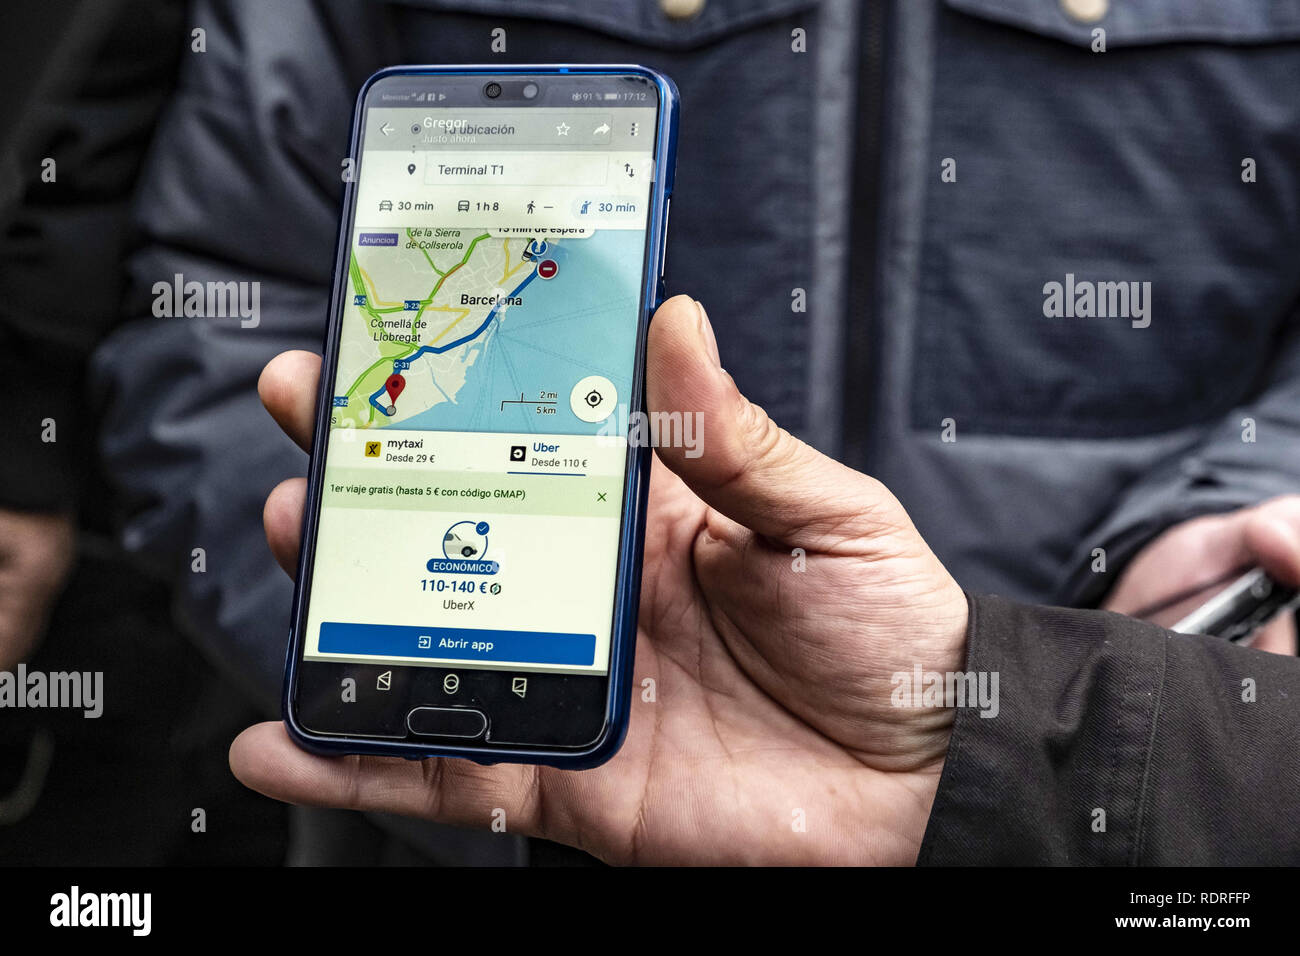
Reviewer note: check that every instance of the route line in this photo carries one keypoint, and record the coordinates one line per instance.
(439, 349)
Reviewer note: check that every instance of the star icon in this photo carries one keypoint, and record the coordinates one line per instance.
(562, 129)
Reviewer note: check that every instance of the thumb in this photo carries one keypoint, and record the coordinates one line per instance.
(741, 462)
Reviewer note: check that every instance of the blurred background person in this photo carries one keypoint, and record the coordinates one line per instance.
(86, 84)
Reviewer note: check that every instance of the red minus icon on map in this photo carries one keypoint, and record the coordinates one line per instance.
(547, 268)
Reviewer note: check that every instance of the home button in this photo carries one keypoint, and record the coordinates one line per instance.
(447, 722)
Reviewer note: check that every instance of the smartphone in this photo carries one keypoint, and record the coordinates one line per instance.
(1243, 607)
(471, 555)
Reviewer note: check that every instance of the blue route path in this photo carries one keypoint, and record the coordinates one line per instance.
(439, 349)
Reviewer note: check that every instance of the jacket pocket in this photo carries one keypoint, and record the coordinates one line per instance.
(1116, 255)
(641, 21)
(1145, 22)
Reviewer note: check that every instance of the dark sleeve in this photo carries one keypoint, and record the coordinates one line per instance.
(63, 238)
(1116, 742)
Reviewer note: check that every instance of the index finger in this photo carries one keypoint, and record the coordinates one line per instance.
(458, 792)
(1273, 537)
(288, 389)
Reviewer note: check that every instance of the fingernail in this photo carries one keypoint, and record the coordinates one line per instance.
(706, 333)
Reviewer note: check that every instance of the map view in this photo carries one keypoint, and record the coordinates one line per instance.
(462, 329)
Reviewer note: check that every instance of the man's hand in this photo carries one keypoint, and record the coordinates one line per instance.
(1189, 557)
(771, 738)
(36, 553)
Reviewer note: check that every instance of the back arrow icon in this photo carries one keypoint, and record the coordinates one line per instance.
(385, 129)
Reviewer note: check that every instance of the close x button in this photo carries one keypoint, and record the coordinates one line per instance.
(447, 722)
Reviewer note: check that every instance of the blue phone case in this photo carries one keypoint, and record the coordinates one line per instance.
(627, 592)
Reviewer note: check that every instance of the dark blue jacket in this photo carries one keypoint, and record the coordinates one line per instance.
(821, 176)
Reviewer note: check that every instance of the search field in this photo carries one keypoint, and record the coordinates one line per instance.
(503, 169)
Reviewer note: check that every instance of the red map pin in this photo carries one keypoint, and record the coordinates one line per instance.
(395, 384)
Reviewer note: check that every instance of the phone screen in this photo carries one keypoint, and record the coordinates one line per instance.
(475, 465)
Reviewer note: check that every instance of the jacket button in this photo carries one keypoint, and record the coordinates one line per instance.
(681, 9)
(1085, 11)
